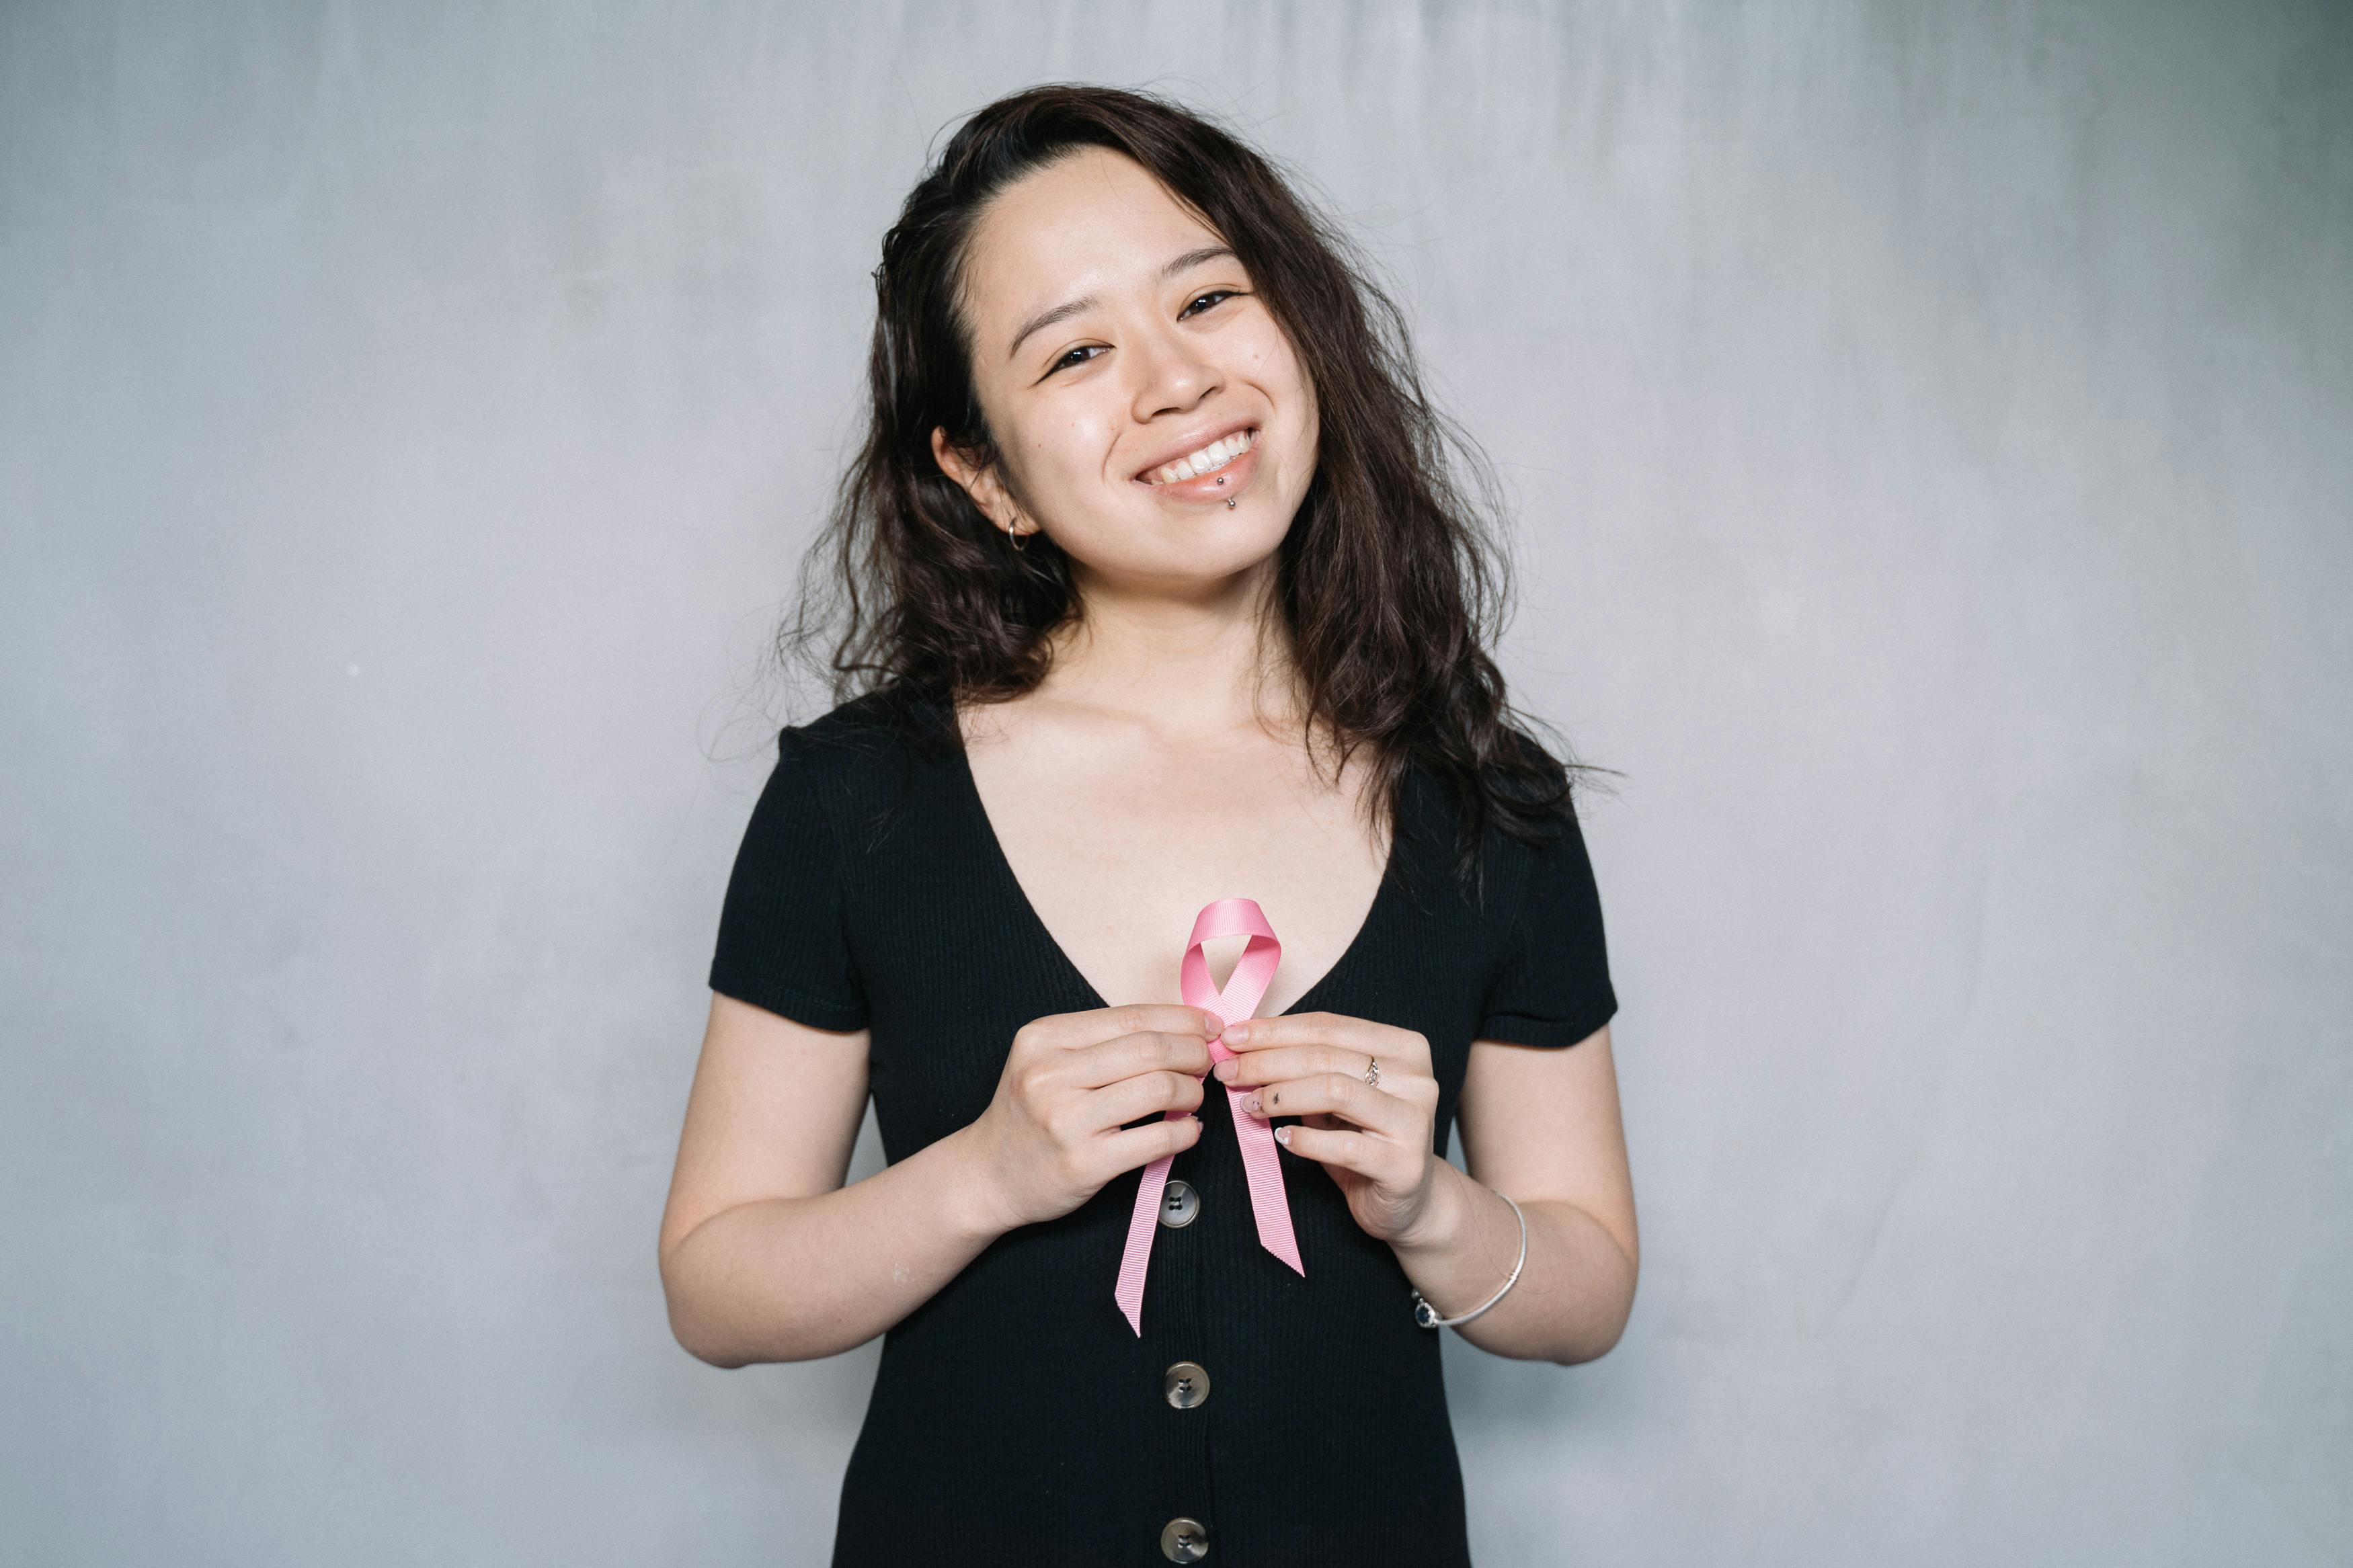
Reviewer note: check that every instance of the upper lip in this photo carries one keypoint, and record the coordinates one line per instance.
(1186, 445)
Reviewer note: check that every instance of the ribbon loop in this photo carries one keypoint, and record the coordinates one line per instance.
(1244, 989)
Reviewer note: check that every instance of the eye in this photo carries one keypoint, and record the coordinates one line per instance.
(1212, 294)
(1090, 350)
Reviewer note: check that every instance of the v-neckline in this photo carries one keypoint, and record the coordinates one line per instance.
(1020, 896)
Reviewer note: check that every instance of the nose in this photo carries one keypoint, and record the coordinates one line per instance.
(1172, 375)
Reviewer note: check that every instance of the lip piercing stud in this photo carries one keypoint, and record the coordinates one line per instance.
(1230, 503)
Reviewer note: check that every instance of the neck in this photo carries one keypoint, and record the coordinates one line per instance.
(1200, 661)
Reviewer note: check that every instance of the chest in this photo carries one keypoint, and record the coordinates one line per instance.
(1118, 841)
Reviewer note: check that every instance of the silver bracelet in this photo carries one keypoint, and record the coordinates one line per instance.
(1427, 1315)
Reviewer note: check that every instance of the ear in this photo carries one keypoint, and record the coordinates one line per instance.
(984, 485)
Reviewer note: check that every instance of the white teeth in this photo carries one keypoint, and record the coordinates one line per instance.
(1215, 455)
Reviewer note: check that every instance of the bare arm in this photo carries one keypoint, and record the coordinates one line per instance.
(765, 1256)
(1542, 1125)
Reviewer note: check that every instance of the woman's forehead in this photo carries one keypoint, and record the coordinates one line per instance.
(1092, 222)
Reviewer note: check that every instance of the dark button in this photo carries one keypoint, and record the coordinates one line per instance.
(1179, 1204)
(1184, 1540)
(1187, 1383)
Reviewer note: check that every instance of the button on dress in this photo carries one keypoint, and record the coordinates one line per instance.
(1262, 1419)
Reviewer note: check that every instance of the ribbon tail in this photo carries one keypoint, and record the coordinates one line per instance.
(1268, 1201)
(1136, 1255)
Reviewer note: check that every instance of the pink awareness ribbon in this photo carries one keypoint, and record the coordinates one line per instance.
(1244, 989)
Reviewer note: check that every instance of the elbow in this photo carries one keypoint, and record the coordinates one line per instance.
(703, 1346)
(1593, 1349)
(1602, 1336)
(710, 1335)
(691, 1326)
(704, 1340)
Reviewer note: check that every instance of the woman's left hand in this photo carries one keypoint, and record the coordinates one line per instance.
(1375, 1136)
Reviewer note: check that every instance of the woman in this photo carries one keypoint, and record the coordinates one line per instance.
(1157, 596)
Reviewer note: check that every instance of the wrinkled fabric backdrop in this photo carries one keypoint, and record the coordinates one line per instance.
(1928, 426)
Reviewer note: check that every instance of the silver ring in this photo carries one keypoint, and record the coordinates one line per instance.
(1373, 1072)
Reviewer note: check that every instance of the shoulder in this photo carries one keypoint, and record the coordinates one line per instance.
(1550, 982)
(1516, 828)
(1545, 882)
(886, 726)
(857, 760)
(1547, 798)
(886, 719)
(1529, 770)
(1503, 819)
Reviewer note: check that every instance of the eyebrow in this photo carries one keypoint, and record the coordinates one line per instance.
(1070, 308)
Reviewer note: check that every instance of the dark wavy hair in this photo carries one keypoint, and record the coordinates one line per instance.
(1389, 581)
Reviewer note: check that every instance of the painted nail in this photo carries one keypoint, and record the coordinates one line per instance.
(1250, 1104)
(1283, 1136)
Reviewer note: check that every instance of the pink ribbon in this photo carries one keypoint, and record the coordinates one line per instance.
(1244, 989)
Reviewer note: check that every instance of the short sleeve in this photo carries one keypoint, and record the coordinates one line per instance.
(783, 944)
(1552, 986)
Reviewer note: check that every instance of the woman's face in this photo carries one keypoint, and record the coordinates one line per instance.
(1114, 335)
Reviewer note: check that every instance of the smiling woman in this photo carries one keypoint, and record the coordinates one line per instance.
(1062, 434)
(1150, 594)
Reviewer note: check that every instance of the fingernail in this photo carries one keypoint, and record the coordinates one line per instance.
(1240, 1030)
(1283, 1136)
(1225, 1071)
(1250, 1103)
(1212, 1026)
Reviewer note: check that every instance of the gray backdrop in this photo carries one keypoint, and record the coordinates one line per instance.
(1929, 422)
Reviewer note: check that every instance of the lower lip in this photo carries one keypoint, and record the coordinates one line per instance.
(1219, 484)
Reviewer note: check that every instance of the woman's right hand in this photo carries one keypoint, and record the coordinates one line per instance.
(1054, 1135)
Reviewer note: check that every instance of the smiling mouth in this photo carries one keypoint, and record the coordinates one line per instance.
(1207, 460)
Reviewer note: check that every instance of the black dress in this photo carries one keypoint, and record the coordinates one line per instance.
(1016, 1418)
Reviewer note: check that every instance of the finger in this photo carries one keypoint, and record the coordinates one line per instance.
(1134, 1146)
(1075, 1031)
(1351, 1098)
(1350, 1151)
(1340, 1029)
(1092, 1067)
(1146, 1094)
(1278, 1062)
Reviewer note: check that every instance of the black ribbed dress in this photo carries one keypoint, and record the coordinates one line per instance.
(1015, 1418)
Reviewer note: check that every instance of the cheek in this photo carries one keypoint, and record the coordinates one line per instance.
(1061, 453)
(1276, 367)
